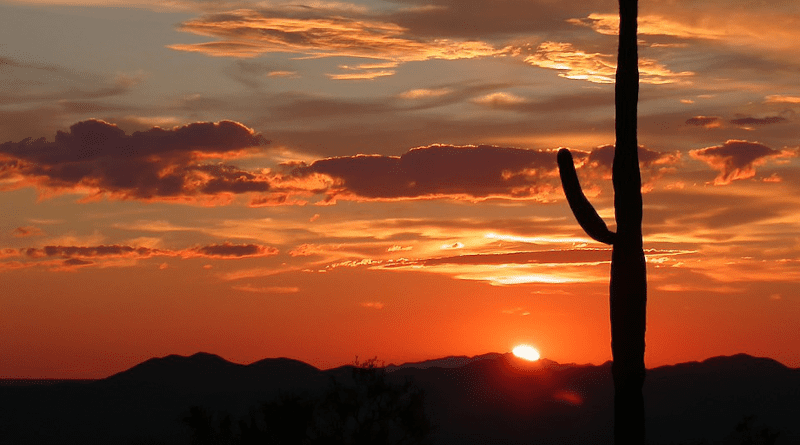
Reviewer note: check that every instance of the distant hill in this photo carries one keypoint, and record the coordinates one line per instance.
(491, 398)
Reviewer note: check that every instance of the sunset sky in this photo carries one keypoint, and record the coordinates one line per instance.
(319, 180)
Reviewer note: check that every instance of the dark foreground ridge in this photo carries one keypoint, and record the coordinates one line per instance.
(492, 398)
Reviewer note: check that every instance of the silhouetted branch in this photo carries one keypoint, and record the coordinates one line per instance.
(587, 216)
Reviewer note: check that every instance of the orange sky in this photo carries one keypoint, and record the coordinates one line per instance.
(261, 179)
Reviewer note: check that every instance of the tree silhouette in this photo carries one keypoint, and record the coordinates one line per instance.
(628, 287)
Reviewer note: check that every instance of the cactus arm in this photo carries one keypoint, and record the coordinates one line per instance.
(587, 216)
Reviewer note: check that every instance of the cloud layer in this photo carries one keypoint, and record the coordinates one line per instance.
(98, 159)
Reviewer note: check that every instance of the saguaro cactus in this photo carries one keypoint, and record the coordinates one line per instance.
(628, 289)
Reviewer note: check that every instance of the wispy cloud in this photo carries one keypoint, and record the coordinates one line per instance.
(267, 289)
(26, 231)
(596, 67)
(247, 33)
(784, 99)
(423, 93)
(650, 25)
(364, 75)
(500, 99)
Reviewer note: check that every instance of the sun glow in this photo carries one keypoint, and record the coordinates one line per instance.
(526, 352)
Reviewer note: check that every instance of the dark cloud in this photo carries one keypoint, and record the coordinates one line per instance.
(73, 262)
(80, 255)
(747, 121)
(472, 172)
(153, 164)
(653, 164)
(603, 156)
(92, 252)
(736, 159)
(227, 250)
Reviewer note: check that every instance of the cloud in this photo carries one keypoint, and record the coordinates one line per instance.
(474, 19)
(467, 172)
(103, 251)
(24, 232)
(736, 159)
(596, 67)
(254, 273)
(83, 254)
(453, 246)
(363, 75)
(254, 74)
(39, 82)
(769, 27)
(307, 250)
(472, 173)
(782, 99)
(68, 265)
(275, 199)
(603, 156)
(536, 257)
(227, 250)
(246, 33)
(290, 107)
(747, 121)
(653, 25)
(424, 93)
(653, 164)
(704, 121)
(499, 99)
(267, 290)
(158, 164)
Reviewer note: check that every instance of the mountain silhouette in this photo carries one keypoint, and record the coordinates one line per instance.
(210, 373)
(491, 398)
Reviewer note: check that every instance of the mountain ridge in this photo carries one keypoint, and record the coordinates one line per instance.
(206, 359)
(489, 398)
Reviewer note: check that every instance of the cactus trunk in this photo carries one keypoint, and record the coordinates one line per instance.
(628, 288)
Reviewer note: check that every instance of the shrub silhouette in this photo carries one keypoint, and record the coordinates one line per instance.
(203, 431)
(628, 287)
(372, 411)
(746, 432)
(367, 409)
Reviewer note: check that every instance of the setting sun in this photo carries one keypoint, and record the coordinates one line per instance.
(526, 352)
